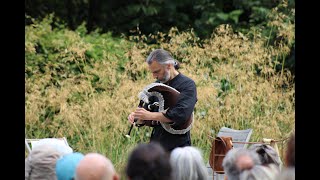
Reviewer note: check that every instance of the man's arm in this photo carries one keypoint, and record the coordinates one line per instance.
(185, 104)
(143, 114)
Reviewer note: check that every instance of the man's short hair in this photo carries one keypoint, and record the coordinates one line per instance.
(231, 165)
(149, 161)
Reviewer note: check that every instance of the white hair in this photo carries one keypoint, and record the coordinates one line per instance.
(231, 164)
(41, 162)
(187, 164)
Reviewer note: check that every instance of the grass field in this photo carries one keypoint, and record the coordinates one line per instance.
(83, 86)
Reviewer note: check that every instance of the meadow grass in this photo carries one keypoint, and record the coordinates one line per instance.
(83, 86)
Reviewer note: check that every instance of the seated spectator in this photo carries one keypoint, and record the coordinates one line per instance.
(55, 143)
(148, 162)
(40, 163)
(95, 166)
(288, 172)
(66, 165)
(187, 164)
(260, 172)
(267, 154)
(290, 152)
(238, 160)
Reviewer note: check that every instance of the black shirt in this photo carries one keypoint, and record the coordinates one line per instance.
(178, 113)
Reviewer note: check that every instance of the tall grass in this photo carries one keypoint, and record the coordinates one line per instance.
(83, 86)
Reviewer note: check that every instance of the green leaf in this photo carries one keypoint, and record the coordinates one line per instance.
(223, 16)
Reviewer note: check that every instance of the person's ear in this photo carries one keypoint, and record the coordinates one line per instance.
(116, 177)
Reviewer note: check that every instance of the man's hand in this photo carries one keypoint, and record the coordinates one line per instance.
(131, 118)
(143, 114)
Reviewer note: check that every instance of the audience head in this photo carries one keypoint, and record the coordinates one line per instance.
(41, 162)
(148, 161)
(260, 172)
(267, 154)
(66, 165)
(290, 152)
(238, 160)
(95, 166)
(187, 164)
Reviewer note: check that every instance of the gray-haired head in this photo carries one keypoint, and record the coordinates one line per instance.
(187, 164)
(260, 172)
(41, 162)
(238, 160)
(267, 154)
(162, 57)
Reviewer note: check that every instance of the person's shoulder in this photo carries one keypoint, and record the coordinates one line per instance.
(186, 79)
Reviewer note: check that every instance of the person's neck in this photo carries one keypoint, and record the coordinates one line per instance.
(173, 74)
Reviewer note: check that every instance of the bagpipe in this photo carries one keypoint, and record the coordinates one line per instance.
(158, 97)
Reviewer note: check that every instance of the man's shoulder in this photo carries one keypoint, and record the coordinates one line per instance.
(185, 78)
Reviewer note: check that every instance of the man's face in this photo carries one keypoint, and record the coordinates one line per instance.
(160, 72)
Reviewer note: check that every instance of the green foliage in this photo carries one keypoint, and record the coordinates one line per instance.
(225, 86)
(153, 16)
(83, 84)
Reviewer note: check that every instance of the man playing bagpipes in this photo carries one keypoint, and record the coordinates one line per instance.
(166, 105)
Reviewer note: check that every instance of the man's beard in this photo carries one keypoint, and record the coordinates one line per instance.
(166, 77)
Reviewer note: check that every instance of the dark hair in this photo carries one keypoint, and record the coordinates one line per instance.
(176, 65)
(290, 152)
(267, 154)
(149, 161)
